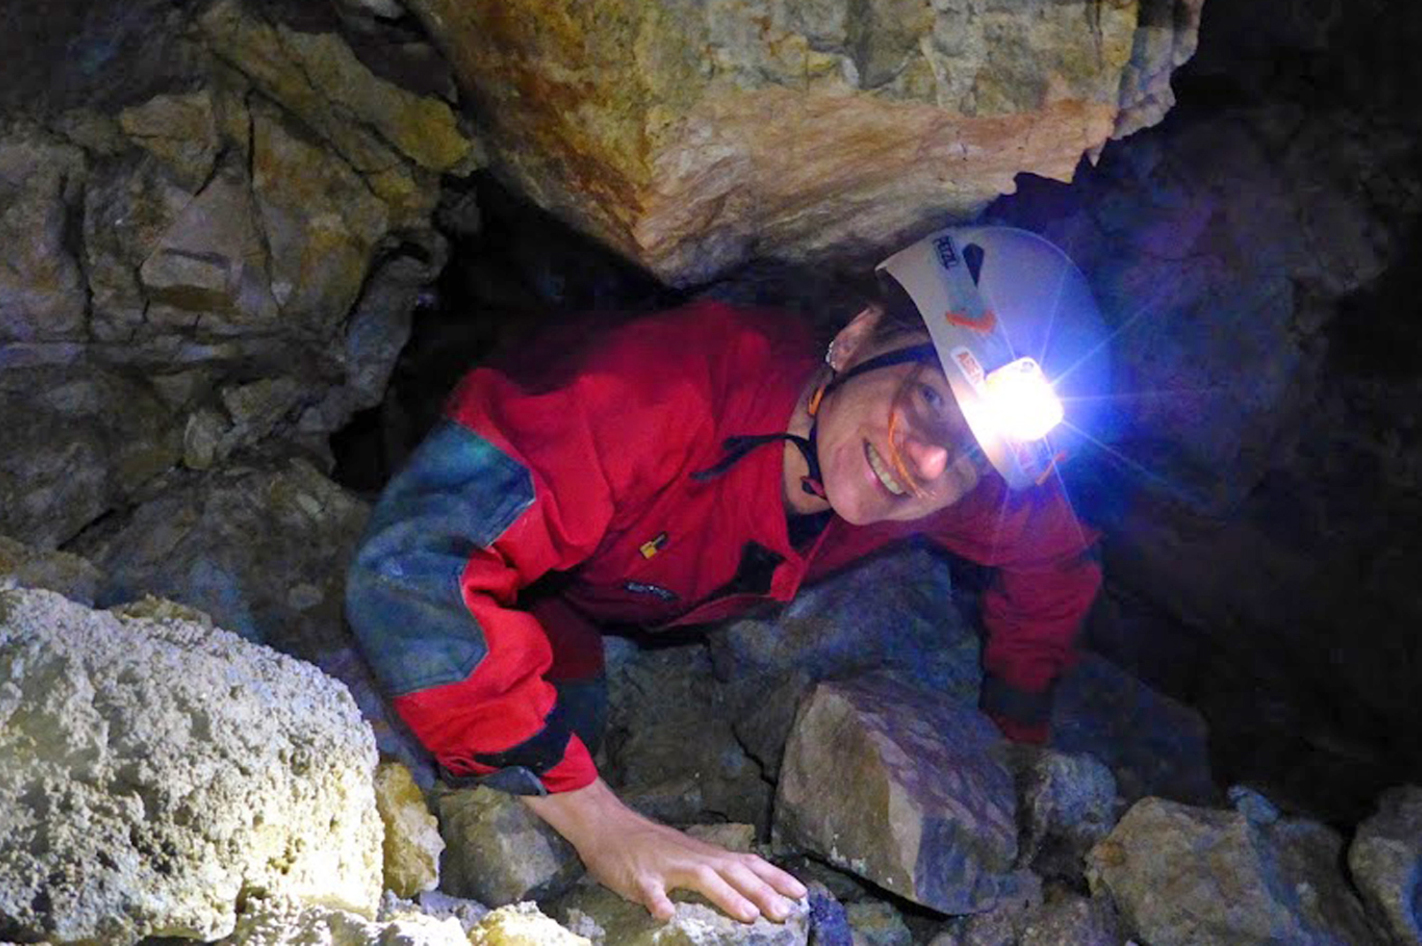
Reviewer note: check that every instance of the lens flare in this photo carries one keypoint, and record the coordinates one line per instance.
(1021, 401)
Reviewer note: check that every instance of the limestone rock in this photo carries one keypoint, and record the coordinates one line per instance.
(61, 572)
(896, 785)
(606, 919)
(689, 135)
(412, 841)
(498, 852)
(271, 922)
(522, 924)
(156, 773)
(1180, 875)
(1385, 859)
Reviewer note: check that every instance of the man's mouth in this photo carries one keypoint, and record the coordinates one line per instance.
(881, 470)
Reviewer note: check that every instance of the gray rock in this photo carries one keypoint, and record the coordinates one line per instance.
(154, 773)
(498, 852)
(1066, 803)
(876, 923)
(1181, 875)
(1385, 859)
(1054, 917)
(52, 486)
(606, 919)
(261, 550)
(896, 785)
(180, 130)
(669, 744)
(895, 611)
(42, 293)
(1154, 745)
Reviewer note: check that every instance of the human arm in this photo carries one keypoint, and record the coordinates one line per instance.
(643, 861)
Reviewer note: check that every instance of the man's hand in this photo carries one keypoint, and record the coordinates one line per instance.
(643, 861)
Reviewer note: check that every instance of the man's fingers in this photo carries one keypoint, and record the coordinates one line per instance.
(762, 894)
(784, 883)
(708, 882)
(655, 899)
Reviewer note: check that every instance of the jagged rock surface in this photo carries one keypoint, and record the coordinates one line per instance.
(69, 575)
(1385, 859)
(154, 773)
(1181, 875)
(888, 781)
(690, 135)
(197, 256)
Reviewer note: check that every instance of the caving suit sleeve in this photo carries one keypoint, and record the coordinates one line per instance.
(1032, 612)
(509, 486)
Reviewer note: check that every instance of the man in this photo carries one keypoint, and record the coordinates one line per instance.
(689, 464)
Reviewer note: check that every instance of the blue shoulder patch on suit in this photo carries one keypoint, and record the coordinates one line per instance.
(457, 493)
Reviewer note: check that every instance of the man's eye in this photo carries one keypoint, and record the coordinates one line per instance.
(932, 400)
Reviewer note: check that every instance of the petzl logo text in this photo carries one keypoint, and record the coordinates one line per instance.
(946, 254)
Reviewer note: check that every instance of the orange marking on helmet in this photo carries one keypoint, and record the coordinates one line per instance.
(982, 323)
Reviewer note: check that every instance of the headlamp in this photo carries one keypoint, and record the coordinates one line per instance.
(1020, 401)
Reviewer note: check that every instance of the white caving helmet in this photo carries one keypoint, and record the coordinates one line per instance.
(1020, 339)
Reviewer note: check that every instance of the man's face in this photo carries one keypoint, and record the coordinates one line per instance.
(893, 444)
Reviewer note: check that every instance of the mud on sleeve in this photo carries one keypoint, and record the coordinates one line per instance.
(432, 598)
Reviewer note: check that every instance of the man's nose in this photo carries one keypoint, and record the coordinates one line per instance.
(926, 459)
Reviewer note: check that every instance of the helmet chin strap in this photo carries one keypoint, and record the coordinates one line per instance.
(813, 481)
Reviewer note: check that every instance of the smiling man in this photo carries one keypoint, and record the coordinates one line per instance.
(685, 466)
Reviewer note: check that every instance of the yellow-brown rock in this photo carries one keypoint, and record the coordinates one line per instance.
(689, 135)
(412, 841)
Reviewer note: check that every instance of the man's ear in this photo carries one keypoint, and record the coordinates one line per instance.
(853, 337)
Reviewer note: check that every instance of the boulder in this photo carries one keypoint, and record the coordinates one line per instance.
(158, 773)
(896, 610)
(412, 841)
(689, 136)
(597, 913)
(1385, 859)
(497, 851)
(1181, 874)
(891, 782)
